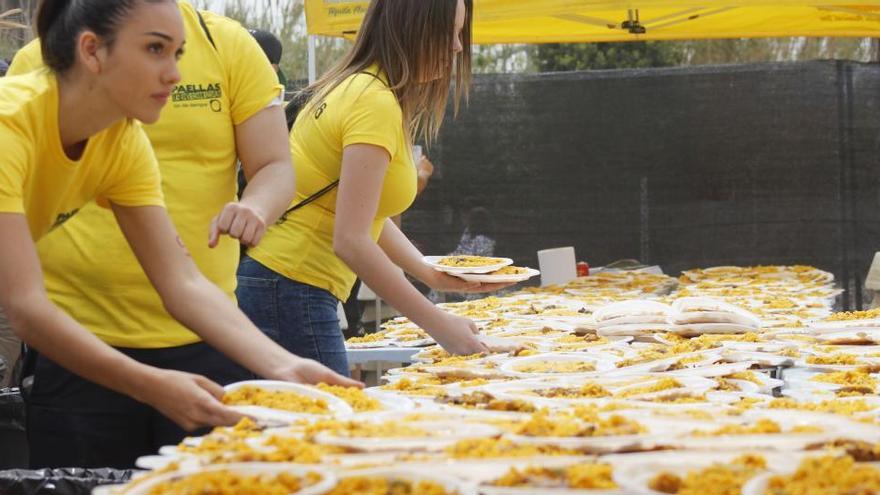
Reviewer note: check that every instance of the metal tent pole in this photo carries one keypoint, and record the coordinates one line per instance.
(313, 63)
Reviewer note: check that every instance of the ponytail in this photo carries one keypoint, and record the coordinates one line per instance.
(56, 41)
(48, 12)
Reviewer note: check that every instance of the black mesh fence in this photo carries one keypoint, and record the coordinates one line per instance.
(689, 167)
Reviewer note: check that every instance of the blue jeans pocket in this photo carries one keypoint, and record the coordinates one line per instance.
(323, 321)
(258, 299)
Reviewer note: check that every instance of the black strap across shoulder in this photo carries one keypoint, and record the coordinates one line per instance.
(205, 29)
(291, 111)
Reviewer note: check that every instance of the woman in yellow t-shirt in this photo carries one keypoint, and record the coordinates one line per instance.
(357, 127)
(69, 136)
(226, 106)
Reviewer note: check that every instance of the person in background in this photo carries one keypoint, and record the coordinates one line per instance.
(477, 239)
(424, 171)
(273, 49)
(226, 105)
(358, 128)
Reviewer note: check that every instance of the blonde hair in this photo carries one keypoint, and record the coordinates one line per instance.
(409, 39)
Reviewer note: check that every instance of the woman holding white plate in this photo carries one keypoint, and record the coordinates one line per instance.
(356, 130)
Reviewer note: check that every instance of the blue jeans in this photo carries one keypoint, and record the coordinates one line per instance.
(299, 317)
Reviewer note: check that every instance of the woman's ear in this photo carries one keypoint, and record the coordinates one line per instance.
(91, 51)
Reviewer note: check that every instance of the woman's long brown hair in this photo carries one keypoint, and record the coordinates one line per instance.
(411, 41)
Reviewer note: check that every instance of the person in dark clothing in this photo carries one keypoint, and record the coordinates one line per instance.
(273, 49)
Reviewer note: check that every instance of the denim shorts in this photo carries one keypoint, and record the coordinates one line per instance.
(299, 317)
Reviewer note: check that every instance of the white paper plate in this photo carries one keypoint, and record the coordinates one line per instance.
(370, 345)
(633, 329)
(683, 307)
(389, 401)
(834, 426)
(413, 343)
(769, 347)
(844, 324)
(635, 473)
(327, 482)
(696, 329)
(262, 414)
(633, 319)
(861, 363)
(850, 336)
(601, 364)
(758, 484)
(449, 482)
(761, 358)
(485, 471)
(631, 308)
(679, 318)
(534, 490)
(659, 429)
(107, 489)
(434, 262)
(693, 385)
(443, 434)
(488, 278)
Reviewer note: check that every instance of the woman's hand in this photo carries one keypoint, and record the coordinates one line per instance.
(312, 372)
(457, 335)
(444, 282)
(239, 221)
(191, 401)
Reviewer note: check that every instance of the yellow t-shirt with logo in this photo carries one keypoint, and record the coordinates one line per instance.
(194, 141)
(39, 180)
(361, 110)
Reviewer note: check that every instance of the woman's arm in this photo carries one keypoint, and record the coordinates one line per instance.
(262, 145)
(360, 186)
(189, 400)
(201, 306)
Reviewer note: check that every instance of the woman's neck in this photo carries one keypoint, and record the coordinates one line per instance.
(83, 111)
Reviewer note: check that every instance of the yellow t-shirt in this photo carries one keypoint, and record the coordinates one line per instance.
(38, 180)
(194, 141)
(361, 110)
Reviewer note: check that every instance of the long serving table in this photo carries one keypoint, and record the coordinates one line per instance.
(375, 360)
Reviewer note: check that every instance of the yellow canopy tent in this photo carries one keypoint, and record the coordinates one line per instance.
(570, 21)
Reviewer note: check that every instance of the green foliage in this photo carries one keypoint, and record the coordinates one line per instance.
(584, 56)
(494, 59)
(286, 19)
(741, 51)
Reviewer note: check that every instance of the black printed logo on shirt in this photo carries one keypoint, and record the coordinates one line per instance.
(63, 217)
(196, 92)
(208, 95)
(320, 110)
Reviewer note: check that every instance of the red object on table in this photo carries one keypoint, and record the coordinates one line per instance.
(583, 269)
